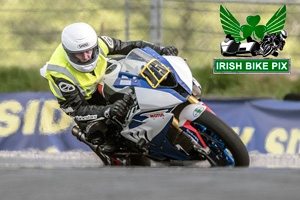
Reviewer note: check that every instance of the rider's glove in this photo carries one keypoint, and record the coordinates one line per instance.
(169, 50)
(119, 108)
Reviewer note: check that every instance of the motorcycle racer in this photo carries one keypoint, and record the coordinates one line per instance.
(75, 70)
(270, 44)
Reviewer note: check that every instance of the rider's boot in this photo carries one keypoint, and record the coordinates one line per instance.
(109, 145)
(97, 133)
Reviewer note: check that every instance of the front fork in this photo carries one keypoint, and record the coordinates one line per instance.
(188, 115)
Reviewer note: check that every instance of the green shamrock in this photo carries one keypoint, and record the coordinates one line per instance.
(259, 30)
(231, 26)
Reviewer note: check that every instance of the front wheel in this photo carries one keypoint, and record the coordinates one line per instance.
(222, 140)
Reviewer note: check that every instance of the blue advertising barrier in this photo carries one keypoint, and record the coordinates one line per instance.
(33, 120)
(264, 125)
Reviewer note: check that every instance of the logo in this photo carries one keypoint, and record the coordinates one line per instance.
(250, 40)
(108, 41)
(157, 115)
(66, 87)
(232, 27)
(80, 46)
(87, 117)
(197, 112)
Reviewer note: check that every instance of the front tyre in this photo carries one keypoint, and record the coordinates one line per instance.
(226, 135)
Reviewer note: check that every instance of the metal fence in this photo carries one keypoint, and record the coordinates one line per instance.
(30, 30)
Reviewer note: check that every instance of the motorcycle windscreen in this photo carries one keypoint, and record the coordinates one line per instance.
(155, 72)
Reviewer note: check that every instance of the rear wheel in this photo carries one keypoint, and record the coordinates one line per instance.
(222, 140)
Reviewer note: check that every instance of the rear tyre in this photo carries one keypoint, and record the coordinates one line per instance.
(225, 133)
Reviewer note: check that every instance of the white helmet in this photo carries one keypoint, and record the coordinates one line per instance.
(283, 34)
(77, 38)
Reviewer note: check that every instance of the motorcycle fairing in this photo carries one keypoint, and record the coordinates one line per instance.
(160, 146)
(127, 80)
(137, 120)
(128, 73)
(150, 127)
(166, 61)
(149, 98)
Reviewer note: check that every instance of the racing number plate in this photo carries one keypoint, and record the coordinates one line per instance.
(155, 72)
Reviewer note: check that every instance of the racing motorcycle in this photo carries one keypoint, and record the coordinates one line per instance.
(166, 122)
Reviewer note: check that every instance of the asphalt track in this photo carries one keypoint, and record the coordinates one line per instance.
(80, 175)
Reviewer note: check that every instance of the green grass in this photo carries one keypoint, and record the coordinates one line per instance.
(214, 85)
(16, 79)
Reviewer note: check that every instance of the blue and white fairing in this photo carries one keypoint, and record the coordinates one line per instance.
(152, 116)
(129, 75)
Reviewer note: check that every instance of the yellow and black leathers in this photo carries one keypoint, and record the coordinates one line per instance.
(76, 91)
